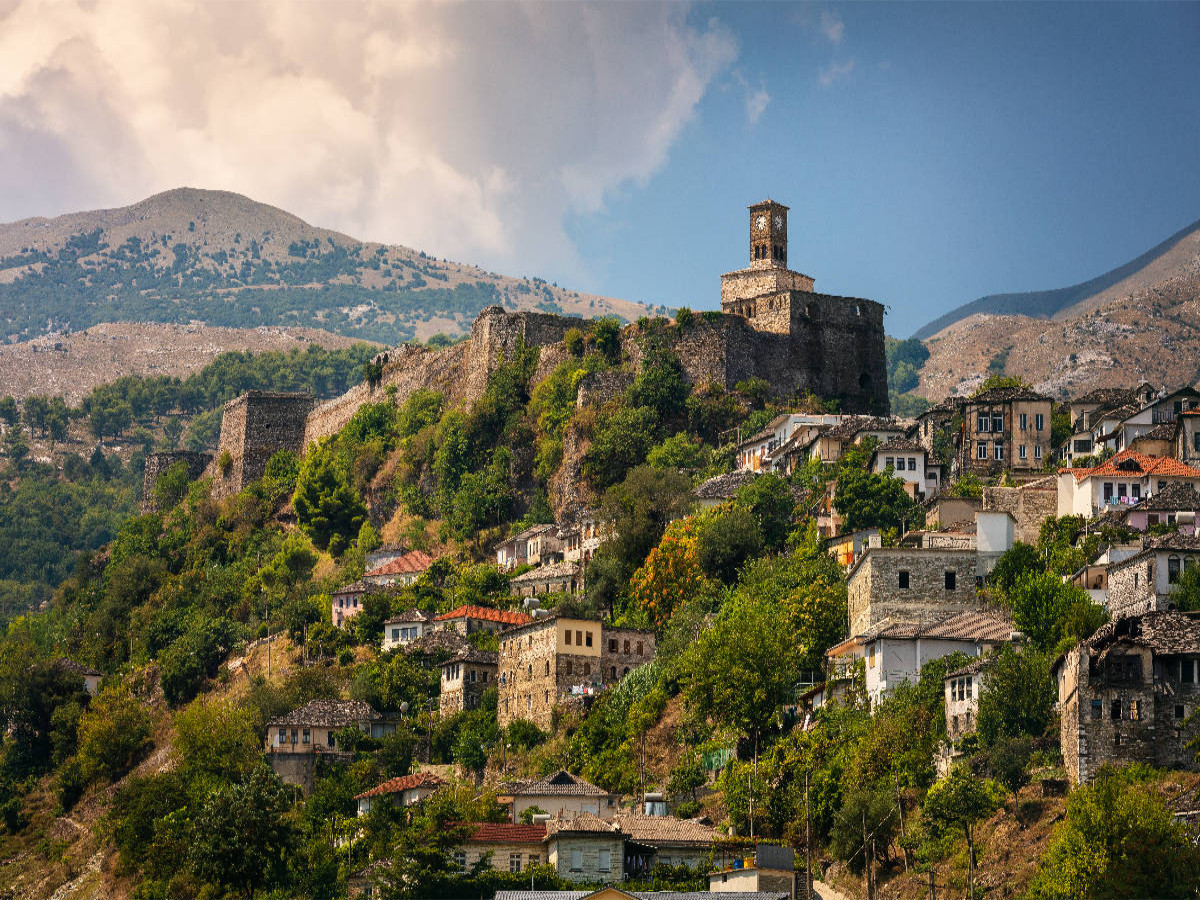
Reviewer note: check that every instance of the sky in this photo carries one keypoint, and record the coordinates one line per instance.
(930, 153)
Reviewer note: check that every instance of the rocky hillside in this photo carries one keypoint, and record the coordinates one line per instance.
(1142, 325)
(221, 259)
(70, 365)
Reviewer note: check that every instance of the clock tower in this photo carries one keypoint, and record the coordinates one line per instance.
(768, 235)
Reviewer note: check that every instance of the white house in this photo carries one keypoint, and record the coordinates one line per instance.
(406, 628)
(1122, 480)
(909, 462)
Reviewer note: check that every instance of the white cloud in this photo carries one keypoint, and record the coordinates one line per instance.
(756, 99)
(832, 27)
(469, 130)
(835, 71)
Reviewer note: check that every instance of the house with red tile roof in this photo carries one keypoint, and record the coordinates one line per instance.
(505, 846)
(403, 791)
(404, 569)
(1120, 481)
(466, 619)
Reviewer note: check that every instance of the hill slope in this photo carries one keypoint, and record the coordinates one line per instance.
(1138, 322)
(1061, 303)
(219, 258)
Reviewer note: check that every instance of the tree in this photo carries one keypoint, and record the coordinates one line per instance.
(725, 539)
(16, 448)
(172, 432)
(639, 509)
(1045, 608)
(607, 333)
(36, 410)
(420, 861)
(113, 734)
(621, 442)
(215, 743)
(671, 575)
(327, 507)
(661, 385)
(1186, 593)
(770, 499)
(874, 500)
(1017, 561)
(241, 836)
(1017, 696)
(869, 810)
(958, 803)
(680, 451)
(1119, 839)
(8, 410)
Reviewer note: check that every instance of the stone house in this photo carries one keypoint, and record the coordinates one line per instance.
(1125, 694)
(1123, 480)
(1087, 409)
(384, 554)
(771, 449)
(407, 790)
(721, 489)
(1177, 504)
(1144, 582)
(962, 689)
(552, 658)
(894, 651)
(935, 429)
(1029, 504)
(665, 839)
(830, 444)
(848, 548)
(405, 628)
(534, 546)
(402, 570)
(556, 578)
(295, 741)
(1160, 440)
(586, 848)
(771, 871)
(752, 450)
(910, 583)
(346, 602)
(89, 676)
(504, 846)
(947, 512)
(466, 619)
(582, 539)
(1004, 429)
(562, 795)
(465, 676)
(909, 462)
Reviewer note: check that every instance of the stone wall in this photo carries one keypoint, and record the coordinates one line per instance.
(874, 593)
(1131, 587)
(621, 651)
(253, 428)
(158, 463)
(1029, 505)
(501, 855)
(590, 846)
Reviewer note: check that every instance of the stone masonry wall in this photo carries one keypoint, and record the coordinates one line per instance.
(253, 428)
(620, 651)
(1131, 588)
(874, 593)
(158, 463)
(1028, 505)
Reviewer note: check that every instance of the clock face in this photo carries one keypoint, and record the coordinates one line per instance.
(760, 223)
(779, 221)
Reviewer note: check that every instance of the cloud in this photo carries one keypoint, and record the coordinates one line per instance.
(835, 71)
(832, 27)
(468, 130)
(756, 99)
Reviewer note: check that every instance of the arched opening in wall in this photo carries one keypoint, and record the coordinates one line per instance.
(865, 381)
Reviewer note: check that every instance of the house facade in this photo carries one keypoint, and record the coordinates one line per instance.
(556, 578)
(1143, 582)
(401, 630)
(346, 602)
(1177, 505)
(466, 619)
(534, 546)
(1123, 480)
(553, 658)
(465, 676)
(295, 741)
(909, 583)
(1125, 694)
(563, 796)
(400, 570)
(1004, 429)
(586, 848)
(909, 462)
(503, 846)
(407, 790)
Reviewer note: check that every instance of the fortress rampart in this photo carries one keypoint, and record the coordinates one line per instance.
(157, 465)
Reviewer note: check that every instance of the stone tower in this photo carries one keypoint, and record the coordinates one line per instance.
(767, 275)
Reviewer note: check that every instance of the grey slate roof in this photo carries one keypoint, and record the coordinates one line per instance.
(1163, 632)
(330, 714)
(644, 895)
(413, 615)
(69, 665)
(722, 487)
(561, 783)
(1002, 395)
(1176, 495)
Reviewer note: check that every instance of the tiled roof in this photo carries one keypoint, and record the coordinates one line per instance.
(1163, 632)
(355, 587)
(583, 823)
(564, 569)
(486, 614)
(449, 642)
(852, 426)
(722, 487)
(1163, 432)
(643, 895)
(403, 783)
(656, 830)
(330, 714)
(899, 445)
(974, 667)
(415, 561)
(69, 665)
(1129, 463)
(964, 626)
(1175, 496)
(507, 833)
(561, 783)
(472, 655)
(1109, 396)
(413, 615)
(1002, 395)
(531, 531)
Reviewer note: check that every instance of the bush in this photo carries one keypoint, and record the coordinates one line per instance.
(113, 734)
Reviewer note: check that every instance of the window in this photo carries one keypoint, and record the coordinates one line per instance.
(1097, 709)
(568, 637)
(981, 450)
(612, 645)
(985, 422)
(514, 862)
(570, 667)
(1038, 422)
(1172, 569)
(967, 692)
(999, 450)
(640, 648)
(1134, 714)
(587, 668)
(950, 579)
(1196, 442)
(1037, 452)
(902, 577)
(282, 738)
(576, 860)
(1136, 490)
(472, 676)
(912, 464)
(1187, 671)
(295, 735)
(626, 645)
(578, 638)
(1179, 711)
(605, 860)
(460, 859)
(614, 673)
(1115, 710)
(1108, 490)
(588, 639)
(1024, 421)
(997, 423)
(871, 658)
(889, 461)
(1021, 452)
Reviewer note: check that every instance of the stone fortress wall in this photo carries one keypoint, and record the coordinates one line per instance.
(157, 465)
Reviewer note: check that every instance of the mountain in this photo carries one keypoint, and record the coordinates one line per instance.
(1062, 303)
(222, 259)
(1140, 321)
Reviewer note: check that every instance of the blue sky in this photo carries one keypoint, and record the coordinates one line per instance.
(930, 153)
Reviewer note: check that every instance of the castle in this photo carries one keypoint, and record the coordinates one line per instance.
(772, 326)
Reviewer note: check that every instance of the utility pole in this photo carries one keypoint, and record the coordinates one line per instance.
(808, 879)
(903, 835)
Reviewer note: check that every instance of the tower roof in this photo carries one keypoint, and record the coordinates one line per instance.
(767, 202)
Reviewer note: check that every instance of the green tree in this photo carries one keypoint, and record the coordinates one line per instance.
(681, 451)
(1186, 593)
(1049, 610)
(215, 743)
(327, 507)
(725, 539)
(1119, 839)
(1017, 561)
(8, 410)
(620, 443)
(113, 734)
(1017, 696)
(606, 332)
(662, 386)
(957, 804)
(16, 447)
(864, 809)
(874, 500)
(770, 499)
